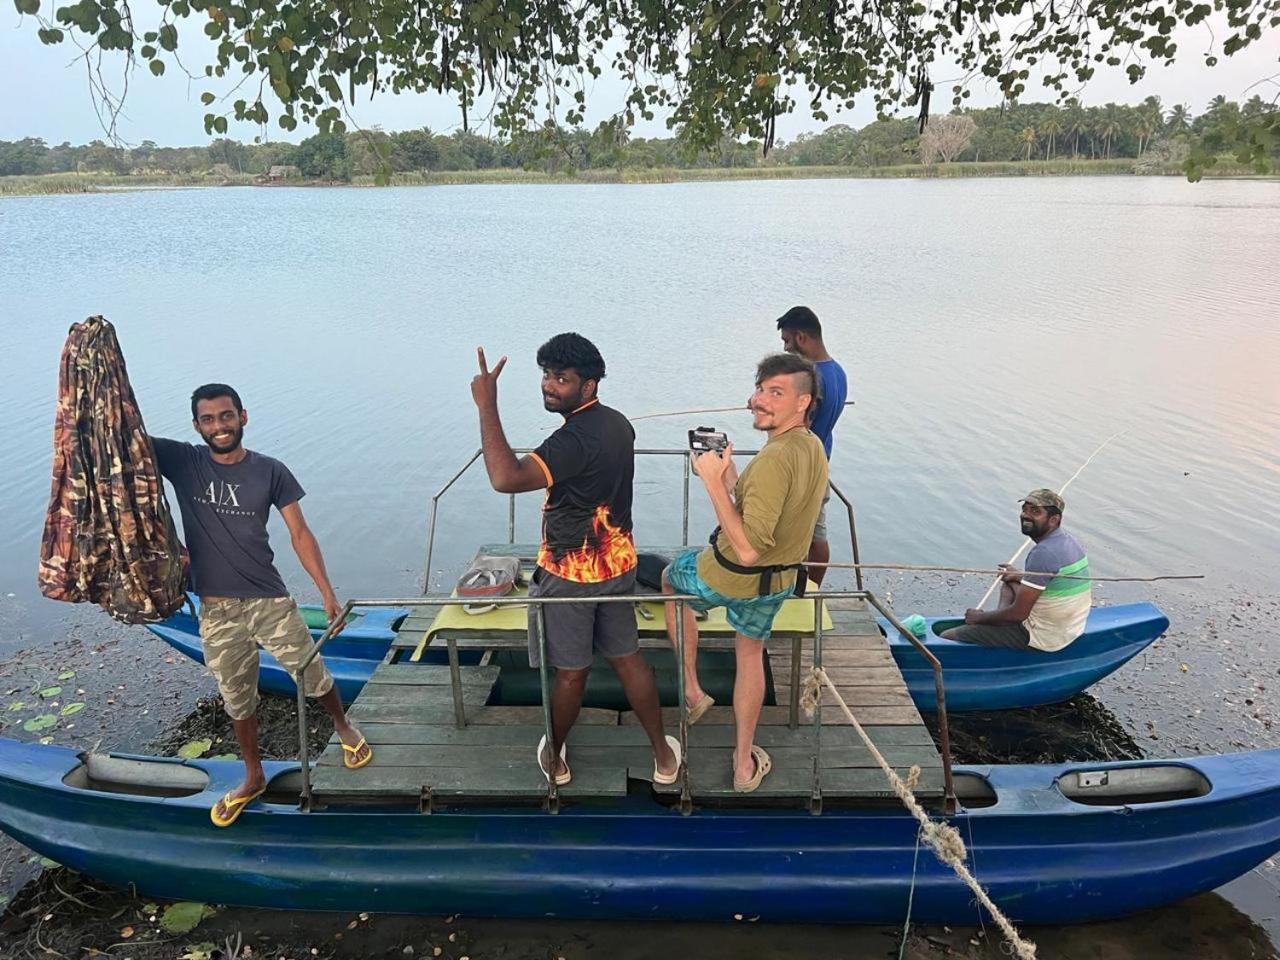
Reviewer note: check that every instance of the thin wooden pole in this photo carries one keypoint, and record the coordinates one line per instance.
(686, 413)
(1028, 541)
(927, 568)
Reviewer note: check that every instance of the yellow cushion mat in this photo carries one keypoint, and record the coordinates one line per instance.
(796, 616)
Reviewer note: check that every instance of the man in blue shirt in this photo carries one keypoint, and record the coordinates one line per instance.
(802, 334)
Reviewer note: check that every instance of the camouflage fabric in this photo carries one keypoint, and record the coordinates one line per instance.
(109, 537)
(230, 631)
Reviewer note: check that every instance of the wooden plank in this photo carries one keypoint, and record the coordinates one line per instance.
(630, 735)
(472, 693)
(422, 713)
(707, 782)
(771, 715)
(856, 676)
(512, 757)
(337, 783)
(839, 658)
(428, 674)
(863, 696)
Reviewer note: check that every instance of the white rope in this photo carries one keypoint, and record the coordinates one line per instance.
(942, 837)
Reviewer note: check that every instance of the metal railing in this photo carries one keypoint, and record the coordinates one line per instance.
(552, 798)
(656, 452)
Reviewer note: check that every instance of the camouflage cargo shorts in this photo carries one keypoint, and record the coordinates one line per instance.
(230, 632)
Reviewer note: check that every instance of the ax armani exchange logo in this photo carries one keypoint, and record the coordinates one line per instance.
(224, 498)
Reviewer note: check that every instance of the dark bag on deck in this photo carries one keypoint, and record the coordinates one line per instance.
(109, 537)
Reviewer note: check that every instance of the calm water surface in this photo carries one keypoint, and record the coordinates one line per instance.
(994, 332)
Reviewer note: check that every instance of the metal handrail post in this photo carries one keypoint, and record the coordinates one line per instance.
(300, 681)
(815, 799)
(684, 529)
(853, 532)
(544, 673)
(686, 794)
(435, 507)
(511, 520)
(793, 714)
(944, 730)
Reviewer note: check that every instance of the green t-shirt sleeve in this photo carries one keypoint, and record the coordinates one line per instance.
(762, 496)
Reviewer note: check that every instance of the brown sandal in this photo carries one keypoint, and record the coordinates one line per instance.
(763, 765)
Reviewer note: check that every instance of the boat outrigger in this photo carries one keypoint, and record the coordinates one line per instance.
(452, 815)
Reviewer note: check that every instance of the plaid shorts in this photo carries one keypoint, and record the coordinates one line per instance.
(230, 631)
(750, 616)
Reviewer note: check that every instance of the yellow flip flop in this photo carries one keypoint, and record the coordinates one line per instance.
(349, 752)
(234, 807)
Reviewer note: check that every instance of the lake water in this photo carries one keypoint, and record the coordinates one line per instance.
(994, 332)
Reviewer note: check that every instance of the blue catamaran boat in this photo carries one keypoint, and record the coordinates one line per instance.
(453, 815)
(1052, 844)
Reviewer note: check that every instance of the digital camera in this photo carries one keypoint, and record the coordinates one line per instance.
(707, 440)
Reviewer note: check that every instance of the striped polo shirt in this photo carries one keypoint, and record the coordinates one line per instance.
(1062, 608)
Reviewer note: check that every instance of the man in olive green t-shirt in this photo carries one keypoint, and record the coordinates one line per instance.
(766, 525)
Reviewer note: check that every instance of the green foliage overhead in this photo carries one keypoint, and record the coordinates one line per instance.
(712, 66)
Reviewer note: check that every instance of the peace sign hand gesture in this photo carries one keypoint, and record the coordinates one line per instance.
(484, 385)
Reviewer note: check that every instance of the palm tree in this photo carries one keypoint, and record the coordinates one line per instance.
(1109, 126)
(1028, 136)
(1179, 120)
(1077, 123)
(1050, 129)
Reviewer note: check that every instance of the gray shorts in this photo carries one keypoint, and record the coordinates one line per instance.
(578, 631)
(820, 528)
(1011, 636)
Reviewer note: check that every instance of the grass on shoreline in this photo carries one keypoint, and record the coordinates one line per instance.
(65, 183)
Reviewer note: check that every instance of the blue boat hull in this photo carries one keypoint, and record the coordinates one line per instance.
(976, 678)
(986, 678)
(351, 656)
(1044, 858)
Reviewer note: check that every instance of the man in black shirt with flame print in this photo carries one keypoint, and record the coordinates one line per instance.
(587, 551)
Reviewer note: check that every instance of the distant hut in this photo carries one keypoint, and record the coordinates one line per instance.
(283, 171)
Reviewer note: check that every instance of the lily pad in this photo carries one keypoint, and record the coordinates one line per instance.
(191, 750)
(182, 917)
(71, 709)
(199, 951)
(50, 692)
(150, 909)
(66, 674)
(224, 756)
(49, 864)
(19, 705)
(42, 722)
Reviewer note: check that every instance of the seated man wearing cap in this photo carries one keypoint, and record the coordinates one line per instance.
(1040, 607)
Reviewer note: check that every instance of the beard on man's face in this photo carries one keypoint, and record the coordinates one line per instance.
(225, 444)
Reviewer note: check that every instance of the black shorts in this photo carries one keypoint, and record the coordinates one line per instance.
(578, 631)
(1011, 636)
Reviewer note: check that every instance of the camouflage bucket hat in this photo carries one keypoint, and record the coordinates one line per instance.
(1045, 498)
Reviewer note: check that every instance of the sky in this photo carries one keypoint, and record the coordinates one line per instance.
(48, 93)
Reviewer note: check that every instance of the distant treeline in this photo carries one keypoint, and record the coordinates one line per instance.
(1026, 132)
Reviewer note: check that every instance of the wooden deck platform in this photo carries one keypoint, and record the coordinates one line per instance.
(421, 756)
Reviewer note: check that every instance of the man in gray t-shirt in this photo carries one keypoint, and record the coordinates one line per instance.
(225, 494)
(1046, 606)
